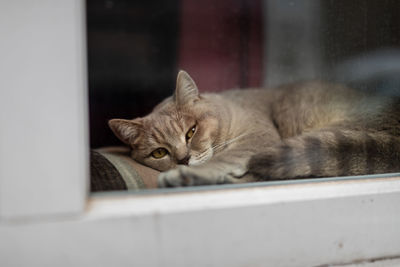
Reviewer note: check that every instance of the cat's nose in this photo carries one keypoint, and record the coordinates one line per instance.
(184, 161)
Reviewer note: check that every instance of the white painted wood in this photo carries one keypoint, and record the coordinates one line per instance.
(43, 109)
(373, 263)
(288, 225)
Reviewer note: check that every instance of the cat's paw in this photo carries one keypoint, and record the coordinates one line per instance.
(174, 178)
(190, 176)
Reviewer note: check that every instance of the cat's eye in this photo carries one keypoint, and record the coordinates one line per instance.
(159, 153)
(191, 132)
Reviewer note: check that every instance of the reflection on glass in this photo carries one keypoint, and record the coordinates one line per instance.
(135, 52)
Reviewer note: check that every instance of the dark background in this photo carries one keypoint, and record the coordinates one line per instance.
(358, 27)
(132, 59)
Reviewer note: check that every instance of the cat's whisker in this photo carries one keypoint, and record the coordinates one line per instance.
(217, 146)
(203, 156)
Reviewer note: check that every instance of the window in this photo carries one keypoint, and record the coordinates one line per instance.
(135, 52)
(45, 205)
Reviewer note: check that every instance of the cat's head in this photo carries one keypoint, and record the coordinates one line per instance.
(180, 130)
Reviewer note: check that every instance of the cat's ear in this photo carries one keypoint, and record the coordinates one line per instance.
(186, 90)
(126, 130)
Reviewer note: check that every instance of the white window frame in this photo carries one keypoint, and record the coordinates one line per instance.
(48, 218)
(43, 108)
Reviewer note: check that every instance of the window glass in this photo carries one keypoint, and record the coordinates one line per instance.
(136, 48)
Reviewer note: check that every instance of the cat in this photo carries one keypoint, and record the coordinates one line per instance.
(306, 129)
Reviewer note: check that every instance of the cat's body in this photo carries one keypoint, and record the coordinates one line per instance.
(301, 130)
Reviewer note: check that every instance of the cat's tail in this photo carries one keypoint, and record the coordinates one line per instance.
(328, 153)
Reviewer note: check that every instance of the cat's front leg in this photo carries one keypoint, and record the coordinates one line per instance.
(229, 166)
(207, 174)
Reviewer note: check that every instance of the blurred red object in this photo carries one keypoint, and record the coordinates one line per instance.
(221, 43)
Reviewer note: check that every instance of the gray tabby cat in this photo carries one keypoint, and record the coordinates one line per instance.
(309, 129)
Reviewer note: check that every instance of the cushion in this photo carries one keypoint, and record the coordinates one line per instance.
(111, 168)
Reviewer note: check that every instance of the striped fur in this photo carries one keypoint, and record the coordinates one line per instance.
(330, 130)
(309, 129)
(331, 152)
